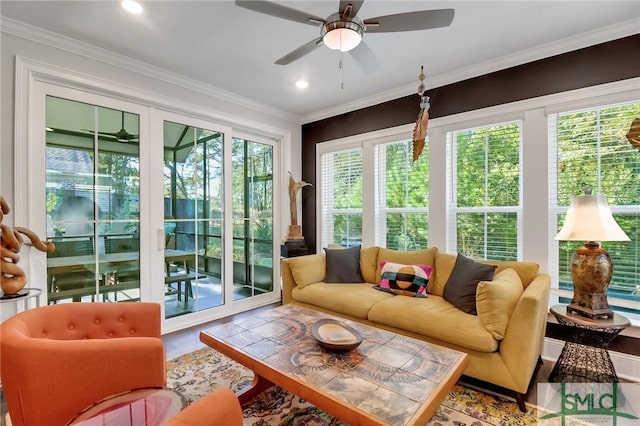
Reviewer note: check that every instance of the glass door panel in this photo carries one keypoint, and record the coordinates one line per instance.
(252, 218)
(193, 210)
(92, 198)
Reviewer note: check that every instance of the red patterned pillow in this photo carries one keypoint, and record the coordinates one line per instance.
(406, 280)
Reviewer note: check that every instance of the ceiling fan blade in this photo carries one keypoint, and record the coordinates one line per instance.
(365, 58)
(279, 11)
(410, 21)
(300, 52)
(355, 7)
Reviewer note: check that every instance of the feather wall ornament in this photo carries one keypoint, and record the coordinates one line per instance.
(420, 130)
(634, 133)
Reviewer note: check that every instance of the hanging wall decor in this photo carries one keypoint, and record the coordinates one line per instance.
(420, 130)
(634, 133)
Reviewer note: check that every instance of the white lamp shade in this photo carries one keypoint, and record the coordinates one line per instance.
(589, 219)
(342, 39)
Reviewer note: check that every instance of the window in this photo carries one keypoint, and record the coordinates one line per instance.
(372, 192)
(342, 198)
(402, 196)
(589, 149)
(484, 191)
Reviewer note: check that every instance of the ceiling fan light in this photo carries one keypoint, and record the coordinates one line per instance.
(131, 6)
(342, 39)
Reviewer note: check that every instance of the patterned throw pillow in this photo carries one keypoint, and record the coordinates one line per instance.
(406, 280)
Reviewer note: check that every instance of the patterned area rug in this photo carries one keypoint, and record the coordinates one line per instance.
(198, 373)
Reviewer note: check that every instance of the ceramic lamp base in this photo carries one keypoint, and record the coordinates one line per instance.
(591, 269)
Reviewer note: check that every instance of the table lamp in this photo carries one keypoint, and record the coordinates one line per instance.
(589, 219)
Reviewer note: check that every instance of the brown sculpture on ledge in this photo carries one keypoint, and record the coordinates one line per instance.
(295, 230)
(12, 277)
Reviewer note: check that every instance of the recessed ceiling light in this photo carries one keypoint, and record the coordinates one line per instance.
(302, 84)
(131, 6)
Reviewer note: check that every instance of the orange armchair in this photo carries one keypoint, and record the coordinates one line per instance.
(221, 407)
(56, 360)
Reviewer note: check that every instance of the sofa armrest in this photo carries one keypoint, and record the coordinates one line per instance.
(524, 337)
(288, 283)
(300, 271)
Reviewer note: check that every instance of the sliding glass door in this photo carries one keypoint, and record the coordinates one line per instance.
(194, 222)
(92, 163)
(145, 204)
(253, 218)
(211, 258)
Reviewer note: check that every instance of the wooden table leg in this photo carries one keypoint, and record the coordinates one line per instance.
(259, 384)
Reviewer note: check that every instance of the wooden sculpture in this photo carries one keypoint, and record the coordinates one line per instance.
(12, 277)
(295, 230)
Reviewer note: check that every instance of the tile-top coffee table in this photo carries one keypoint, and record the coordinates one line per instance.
(388, 379)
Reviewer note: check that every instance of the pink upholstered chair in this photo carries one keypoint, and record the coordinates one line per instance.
(56, 360)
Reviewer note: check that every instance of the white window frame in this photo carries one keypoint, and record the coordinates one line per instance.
(452, 188)
(381, 210)
(366, 142)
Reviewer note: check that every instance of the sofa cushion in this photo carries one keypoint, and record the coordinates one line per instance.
(444, 263)
(349, 299)
(527, 271)
(343, 265)
(307, 269)
(369, 263)
(416, 257)
(436, 318)
(460, 289)
(497, 299)
(405, 280)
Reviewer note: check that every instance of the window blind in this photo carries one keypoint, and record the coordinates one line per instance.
(589, 148)
(341, 207)
(484, 191)
(401, 196)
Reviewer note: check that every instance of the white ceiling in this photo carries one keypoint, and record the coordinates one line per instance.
(233, 49)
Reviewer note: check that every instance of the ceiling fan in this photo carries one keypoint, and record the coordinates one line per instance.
(121, 135)
(344, 30)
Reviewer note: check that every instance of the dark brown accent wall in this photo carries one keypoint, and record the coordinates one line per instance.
(602, 63)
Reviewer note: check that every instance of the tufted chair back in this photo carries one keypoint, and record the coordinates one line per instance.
(56, 360)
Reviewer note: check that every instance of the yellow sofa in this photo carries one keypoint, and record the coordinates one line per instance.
(504, 341)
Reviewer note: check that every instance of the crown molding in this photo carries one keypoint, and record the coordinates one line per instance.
(39, 35)
(48, 38)
(590, 38)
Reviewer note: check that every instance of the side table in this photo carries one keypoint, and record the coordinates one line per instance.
(584, 357)
(138, 407)
(24, 296)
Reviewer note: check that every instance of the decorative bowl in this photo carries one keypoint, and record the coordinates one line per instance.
(335, 336)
